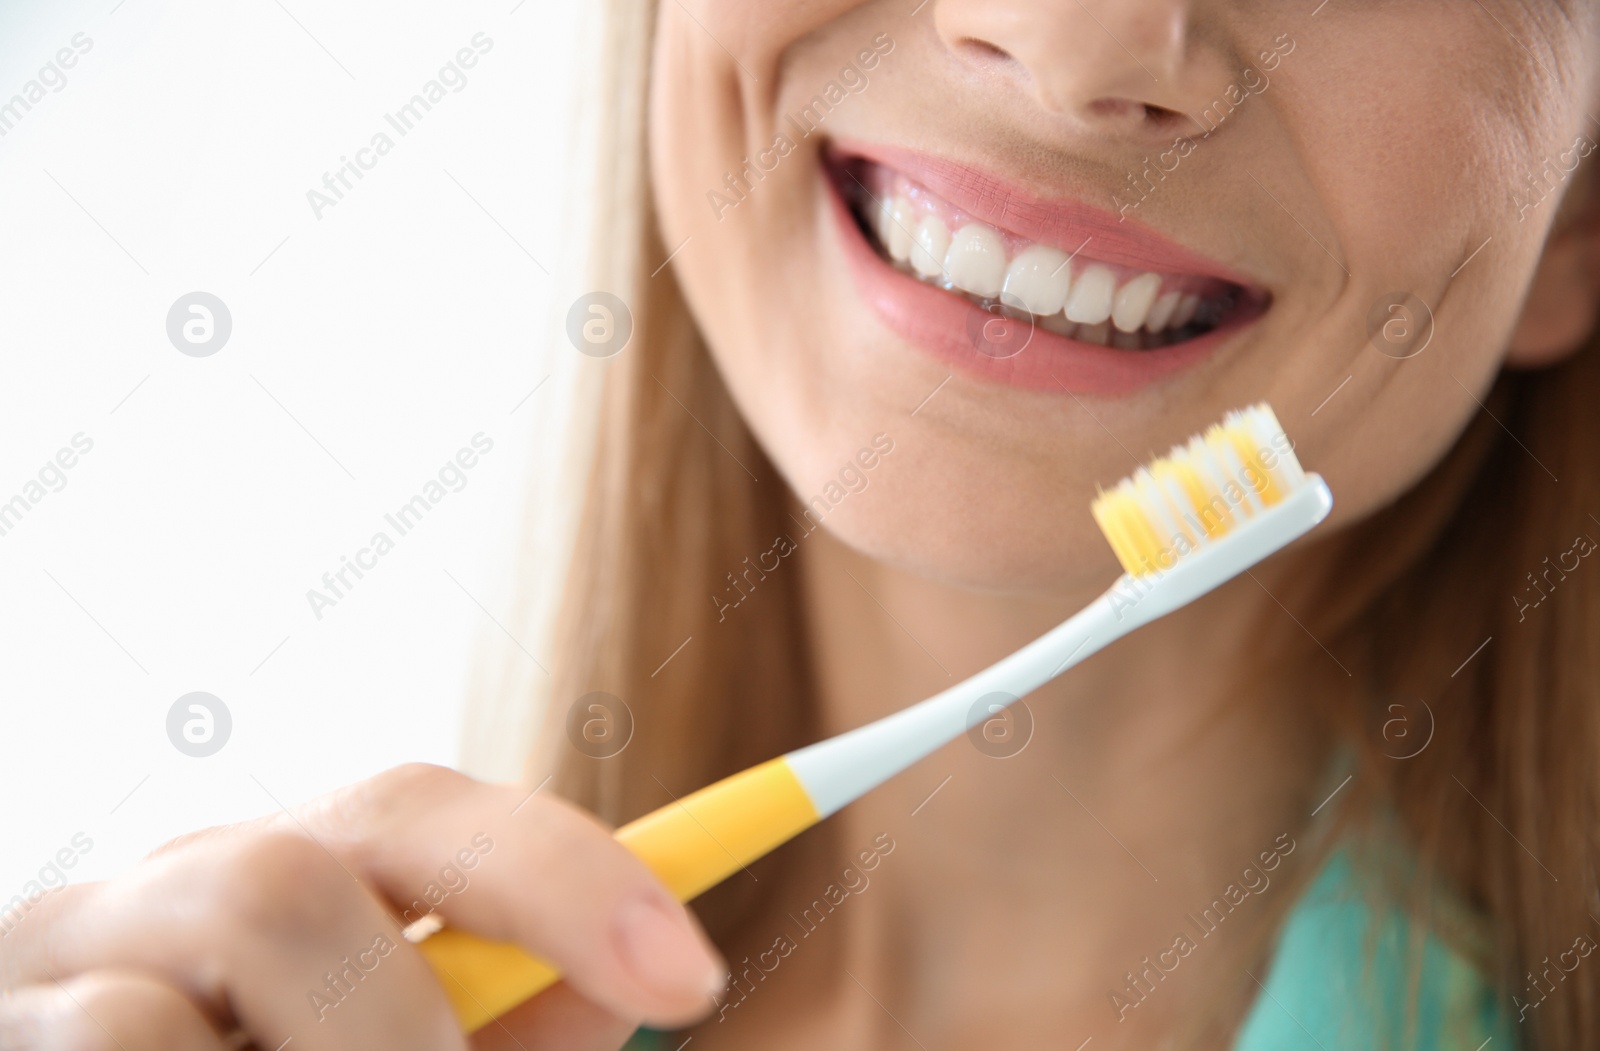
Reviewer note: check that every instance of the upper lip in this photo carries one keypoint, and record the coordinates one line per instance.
(1060, 222)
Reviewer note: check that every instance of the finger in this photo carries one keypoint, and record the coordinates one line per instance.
(109, 1010)
(266, 931)
(560, 1017)
(536, 871)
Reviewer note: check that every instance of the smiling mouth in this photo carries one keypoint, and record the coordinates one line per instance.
(1063, 289)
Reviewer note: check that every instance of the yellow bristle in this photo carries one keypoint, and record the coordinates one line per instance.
(1249, 454)
(1191, 497)
(1116, 512)
(1188, 480)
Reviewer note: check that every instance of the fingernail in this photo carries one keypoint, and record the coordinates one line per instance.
(664, 951)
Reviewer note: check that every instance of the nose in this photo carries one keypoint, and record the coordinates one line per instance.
(1129, 67)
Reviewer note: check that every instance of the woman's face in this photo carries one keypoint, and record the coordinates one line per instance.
(1186, 206)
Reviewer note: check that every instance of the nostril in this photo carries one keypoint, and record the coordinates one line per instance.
(1117, 108)
(1128, 110)
(983, 53)
(1160, 116)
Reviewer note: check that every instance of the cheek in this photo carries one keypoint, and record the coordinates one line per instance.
(711, 112)
(1420, 201)
(744, 217)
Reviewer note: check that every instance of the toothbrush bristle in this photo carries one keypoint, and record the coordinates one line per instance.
(1201, 490)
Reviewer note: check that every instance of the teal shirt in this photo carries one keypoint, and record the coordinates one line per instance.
(1345, 974)
(1343, 977)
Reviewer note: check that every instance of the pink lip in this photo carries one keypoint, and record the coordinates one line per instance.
(943, 324)
(1059, 222)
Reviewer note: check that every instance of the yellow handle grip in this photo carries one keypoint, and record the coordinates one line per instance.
(691, 845)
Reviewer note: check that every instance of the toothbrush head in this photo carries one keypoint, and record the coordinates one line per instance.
(1235, 472)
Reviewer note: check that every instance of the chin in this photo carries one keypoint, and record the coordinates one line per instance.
(937, 510)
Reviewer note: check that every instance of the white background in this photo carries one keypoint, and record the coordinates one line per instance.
(367, 347)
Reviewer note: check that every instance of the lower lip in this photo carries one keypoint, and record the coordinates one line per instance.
(940, 322)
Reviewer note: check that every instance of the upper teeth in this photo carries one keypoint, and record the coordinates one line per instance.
(976, 260)
(1039, 279)
(1130, 308)
(931, 246)
(1089, 302)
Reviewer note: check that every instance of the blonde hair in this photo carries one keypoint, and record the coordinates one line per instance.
(1503, 800)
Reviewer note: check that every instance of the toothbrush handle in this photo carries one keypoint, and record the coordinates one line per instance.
(691, 845)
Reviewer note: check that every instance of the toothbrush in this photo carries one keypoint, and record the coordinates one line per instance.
(1182, 526)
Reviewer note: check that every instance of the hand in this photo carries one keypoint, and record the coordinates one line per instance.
(288, 928)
